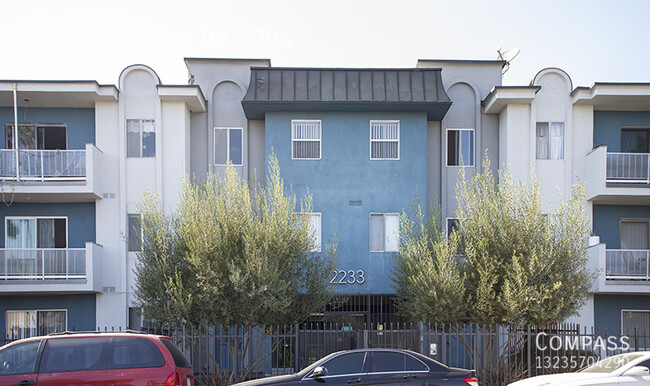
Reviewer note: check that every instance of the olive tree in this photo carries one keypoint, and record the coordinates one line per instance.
(233, 252)
(508, 262)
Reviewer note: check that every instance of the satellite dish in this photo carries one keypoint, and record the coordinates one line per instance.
(507, 56)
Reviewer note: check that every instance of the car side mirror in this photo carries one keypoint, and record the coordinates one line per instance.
(319, 371)
(638, 371)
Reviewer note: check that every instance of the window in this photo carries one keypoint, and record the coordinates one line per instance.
(135, 233)
(228, 145)
(550, 140)
(384, 232)
(635, 140)
(36, 232)
(345, 364)
(384, 361)
(452, 225)
(132, 352)
(74, 354)
(140, 138)
(25, 324)
(305, 139)
(387, 361)
(639, 320)
(22, 358)
(314, 228)
(460, 147)
(177, 355)
(37, 136)
(384, 140)
(635, 234)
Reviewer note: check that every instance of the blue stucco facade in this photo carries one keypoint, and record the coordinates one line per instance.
(607, 221)
(80, 122)
(607, 126)
(607, 309)
(345, 173)
(81, 219)
(80, 308)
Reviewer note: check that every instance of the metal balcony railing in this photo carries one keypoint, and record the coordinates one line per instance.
(629, 264)
(42, 263)
(628, 167)
(43, 165)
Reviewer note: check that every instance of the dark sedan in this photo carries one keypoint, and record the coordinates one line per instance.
(373, 367)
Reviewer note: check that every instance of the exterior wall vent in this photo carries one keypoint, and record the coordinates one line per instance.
(108, 290)
(108, 195)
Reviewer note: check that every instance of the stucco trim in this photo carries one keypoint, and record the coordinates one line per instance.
(549, 70)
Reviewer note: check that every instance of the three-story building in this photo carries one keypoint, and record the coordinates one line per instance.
(365, 143)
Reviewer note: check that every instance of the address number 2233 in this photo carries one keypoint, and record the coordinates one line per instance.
(350, 276)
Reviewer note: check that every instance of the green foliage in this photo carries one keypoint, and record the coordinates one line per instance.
(428, 281)
(232, 253)
(514, 263)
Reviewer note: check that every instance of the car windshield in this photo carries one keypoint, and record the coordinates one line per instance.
(610, 364)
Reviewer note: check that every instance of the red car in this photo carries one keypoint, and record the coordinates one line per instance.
(126, 358)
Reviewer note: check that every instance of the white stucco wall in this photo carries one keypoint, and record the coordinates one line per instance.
(515, 140)
(175, 139)
(111, 304)
(225, 82)
(553, 104)
(467, 83)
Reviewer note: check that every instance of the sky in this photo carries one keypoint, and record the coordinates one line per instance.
(593, 41)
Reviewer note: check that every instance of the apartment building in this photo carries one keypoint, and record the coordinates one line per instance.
(363, 142)
(70, 187)
(597, 135)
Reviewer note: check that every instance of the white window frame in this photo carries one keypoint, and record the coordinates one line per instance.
(387, 234)
(447, 224)
(385, 140)
(155, 131)
(473, 148)
(320, 140)
(36, 311)
(67, 233)
(214, 145)
(319, 235)
(630, 310)
(564, 129)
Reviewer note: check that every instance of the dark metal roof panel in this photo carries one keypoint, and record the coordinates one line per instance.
(336, 88)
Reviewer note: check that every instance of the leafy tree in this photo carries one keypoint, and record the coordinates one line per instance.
(508, 262)
(429, 281)
(232, 253)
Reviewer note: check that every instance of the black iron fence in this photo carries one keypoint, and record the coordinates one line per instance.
(499, 355)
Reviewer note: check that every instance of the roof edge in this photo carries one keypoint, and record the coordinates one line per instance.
(464, 61)
(347, 68)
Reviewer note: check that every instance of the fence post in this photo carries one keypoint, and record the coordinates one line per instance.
(184, 337)
(296, 351)
(422, 340)
(443, 346)
(528, 349)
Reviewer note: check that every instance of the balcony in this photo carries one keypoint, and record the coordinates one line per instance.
(627, 264)
(630, 168)
(620, 270)
(618, 178)
(50, 175)
(43, 165)
(36, 270)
